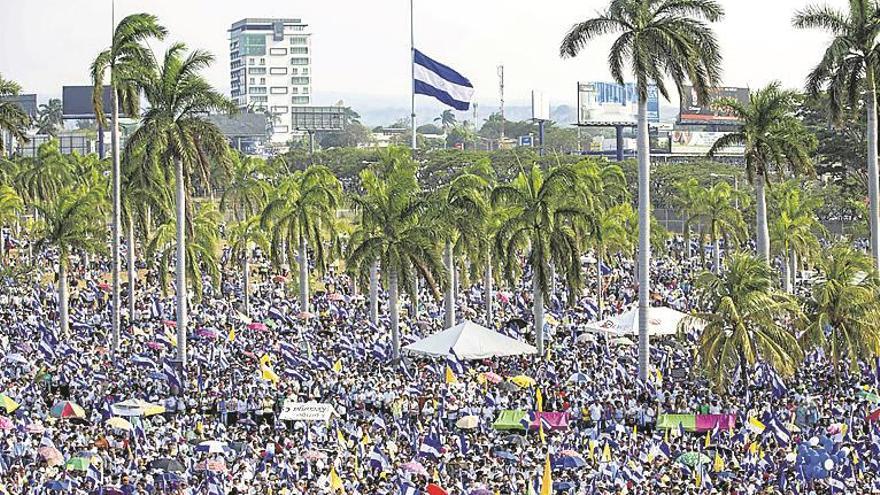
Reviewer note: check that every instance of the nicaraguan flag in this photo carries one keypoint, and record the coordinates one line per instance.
(430, 447)
(432, 78)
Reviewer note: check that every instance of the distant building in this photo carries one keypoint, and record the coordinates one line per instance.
(246, 132)
(270, 69)
(67, 144)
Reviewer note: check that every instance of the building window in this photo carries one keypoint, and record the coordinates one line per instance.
(305, 71)
(278, 71)
(252, 81)
(280, 109)
(253, 44)
(281, 129)
(257, 70)
(297, 28)
(257, 90)
(260, 99)
(277, 51)
(294, 71)
(305, 90)
(278, 90)
(300, 100)
(299, 61)
(299, 40)
(299, 81)
(252, 61)
(262, 61)
(299, 50)
(294, 91)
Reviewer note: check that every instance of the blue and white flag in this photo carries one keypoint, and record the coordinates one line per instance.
(430, 447)
(432, 78)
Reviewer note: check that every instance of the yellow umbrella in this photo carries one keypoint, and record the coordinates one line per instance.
(7, 403)
(119, 423)
(523, 381)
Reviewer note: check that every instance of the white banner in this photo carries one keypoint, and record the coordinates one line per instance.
(305, 411)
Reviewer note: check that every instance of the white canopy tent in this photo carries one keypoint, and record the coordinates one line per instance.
(661, 321)
(469, 341)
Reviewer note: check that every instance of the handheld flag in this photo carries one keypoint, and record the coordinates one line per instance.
(539, 399)
(450, 376)
(337, 366)
(432, 78)
(335, 480)
(546, 479)
(232, 334)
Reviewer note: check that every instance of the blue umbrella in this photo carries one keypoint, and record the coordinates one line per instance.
(503, 454)
(59, 485)
(569, 462)
(578, 378)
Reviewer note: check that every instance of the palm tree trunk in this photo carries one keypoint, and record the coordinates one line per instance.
(600, 282)
(763, 233)
(716, 247)
(246, 285)
(874, 206)
(488, 292)
(395, 317)
(538, 311)
(132, 273)
(62, 294)
(181, 262)
(688, 250)
(644, 262)
(794, 270)
(449, 299)
(374, 292)
(786, 273)
(303, 274)
(115, 222)
(415, 301)
(2, 247)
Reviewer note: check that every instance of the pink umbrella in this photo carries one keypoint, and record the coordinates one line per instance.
(104, 286)
(503, 297)
(415, 468)
(156, 346)
(492, 377)
(314, 455)
(260, 327)
(6, 423)
(305, 315)
(50, 454)
(36, 429)
(169, 323)
(207, 333)
(336, 297)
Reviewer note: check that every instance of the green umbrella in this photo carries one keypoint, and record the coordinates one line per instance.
(692, 458)
(78, 464)
(869, 396)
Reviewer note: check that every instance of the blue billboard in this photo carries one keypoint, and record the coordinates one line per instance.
(609, 94)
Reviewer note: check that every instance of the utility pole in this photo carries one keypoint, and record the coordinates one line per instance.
(501, 90)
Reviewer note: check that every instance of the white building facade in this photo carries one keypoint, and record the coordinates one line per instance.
(270, 70)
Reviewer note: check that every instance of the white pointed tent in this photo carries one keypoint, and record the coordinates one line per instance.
(661, 321)
(469, 341)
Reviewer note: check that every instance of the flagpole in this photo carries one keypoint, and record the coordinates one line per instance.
(412, 66)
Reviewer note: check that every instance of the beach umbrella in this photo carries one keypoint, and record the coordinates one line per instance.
(119, 423)
(136, 407)
(492, 377)
(257, 326)
(212, 447)
(415, 468)
(693, 458)
(570, 462)
(6, 423)
(67, 409)
(468, 422)
(207, 333)
(77, 464)
(51, 455)
(8, 404)
(167, 465)
(523, 381)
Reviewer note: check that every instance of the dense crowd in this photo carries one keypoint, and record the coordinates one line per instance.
(76, 417)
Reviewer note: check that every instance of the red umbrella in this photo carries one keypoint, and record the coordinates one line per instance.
(280, 278)
(169, 323)
(156, 346)
(104, 286)
(261, 327)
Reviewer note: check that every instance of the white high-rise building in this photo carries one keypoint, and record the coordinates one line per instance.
(270, 69)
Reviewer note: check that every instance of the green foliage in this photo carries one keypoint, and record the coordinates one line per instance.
(12, 118)
(72, 219)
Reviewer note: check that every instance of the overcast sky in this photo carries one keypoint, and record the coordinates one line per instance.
(361, 47)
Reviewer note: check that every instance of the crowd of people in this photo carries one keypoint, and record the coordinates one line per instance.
(79, 417)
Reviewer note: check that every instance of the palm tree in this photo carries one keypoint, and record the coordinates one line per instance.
(659, 39)
(687, 200)
(41, 178)
(127, 56)
(300, 216)
(544, 209)
(458, 209)
(394, 231)
(13, 119)
(773, 137)
(201, 250)
(721, 217)
(447, 119)
(50, 117)
(848, 69)
(608, 234)
(247, 191)
(71, 220)
(242, 237)
(794, 228)
(745, 322)
(175, 134)
(11, 206)
(842, 309)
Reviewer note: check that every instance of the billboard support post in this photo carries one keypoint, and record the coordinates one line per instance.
(618, 134)
(541, 137)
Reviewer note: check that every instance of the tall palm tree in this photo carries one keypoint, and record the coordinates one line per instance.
(774, 139)
(247, 190)
(746, 321)
(242, 237)
(13, 119)
(446, 119)
(11, 206)
(848, 69)
(608, 234)
(794, 228)
(658, 39)
(395, 233)
(175, 134)
(544, 209)
(723, 219)
(72, 220)
(300, 216)
(458, 209)
(842, 308)
(50, 117)
(41, 178)
(126, 58)
(687, 200)
(201, 250)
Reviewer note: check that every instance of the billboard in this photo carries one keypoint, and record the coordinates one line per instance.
(691, 112)
(27, 102)
(76, 102)
(317, 118)
(540, 106)
(612, 102)
(699, 143)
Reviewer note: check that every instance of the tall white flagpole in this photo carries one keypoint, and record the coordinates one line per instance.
(412, 64)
